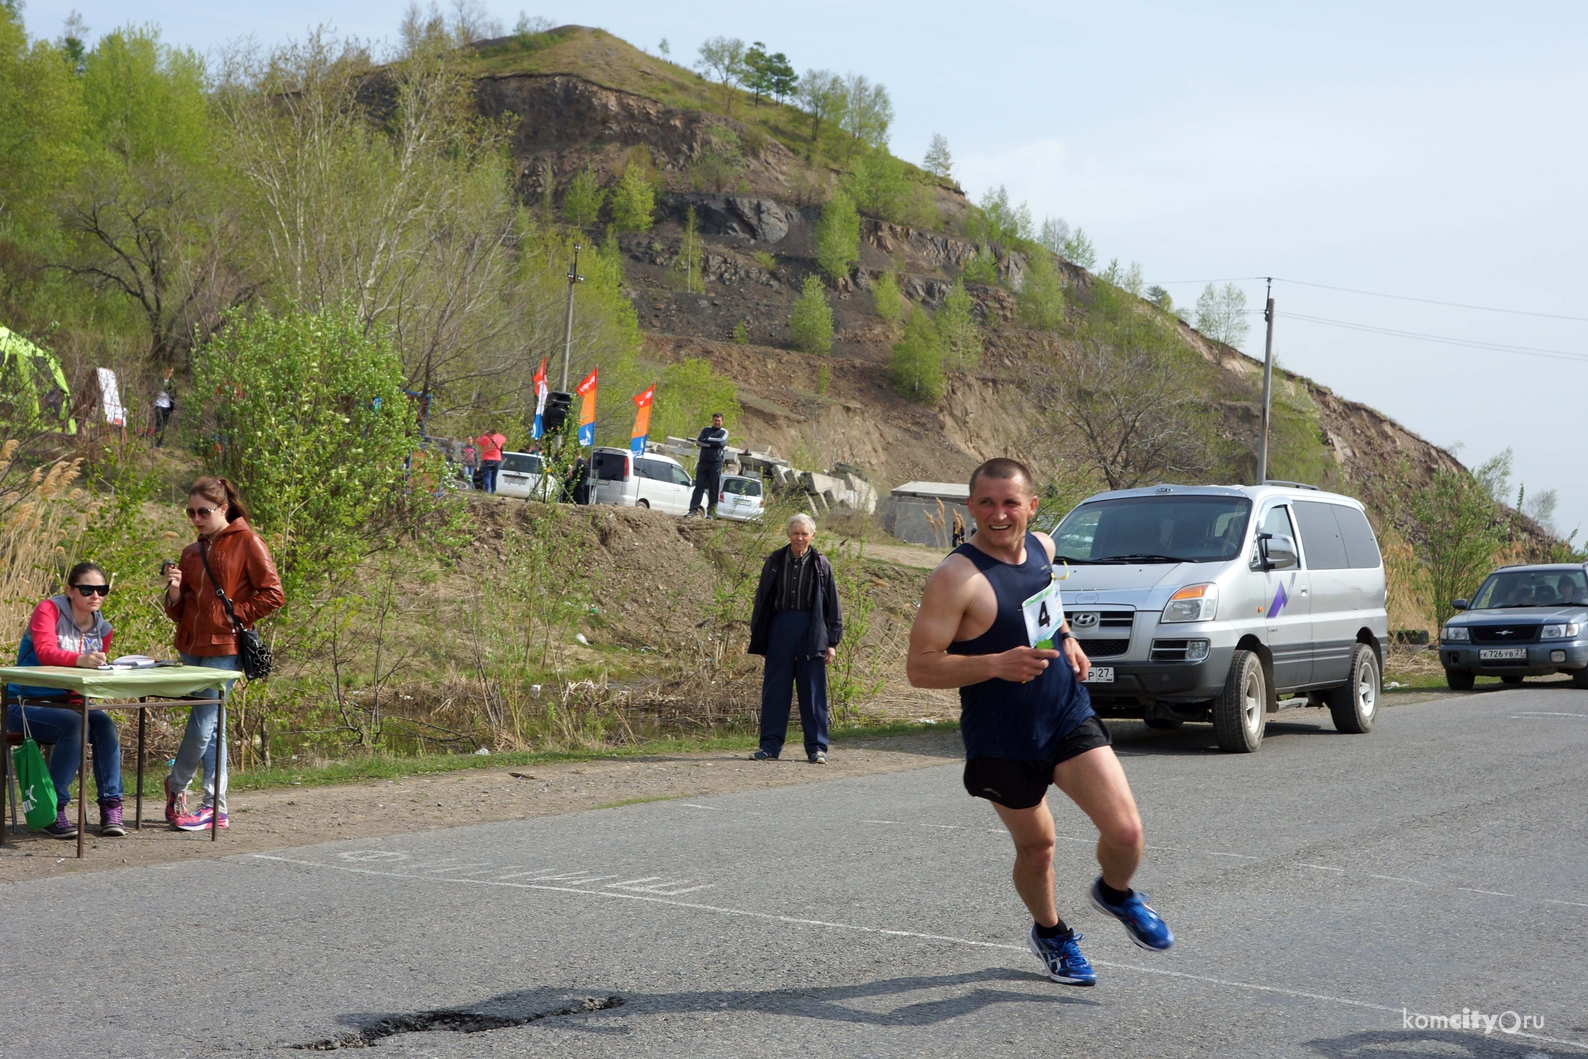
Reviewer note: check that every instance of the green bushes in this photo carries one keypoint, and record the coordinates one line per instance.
(633, 201)
(886, 297)
(882, 186)
(957, 330)
(917, 361)
(582, 202)
(1041, 300)
(810, 325)
(838, 237)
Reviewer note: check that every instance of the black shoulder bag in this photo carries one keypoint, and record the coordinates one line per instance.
(253, 652)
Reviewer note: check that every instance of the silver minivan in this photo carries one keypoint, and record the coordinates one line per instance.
(652, 480)
(1225, 604)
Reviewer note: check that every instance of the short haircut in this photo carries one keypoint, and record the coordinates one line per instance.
(802, 519)
(1003, 468)
(718, 415)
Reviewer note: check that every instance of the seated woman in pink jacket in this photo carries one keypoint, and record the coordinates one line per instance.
(69, 630)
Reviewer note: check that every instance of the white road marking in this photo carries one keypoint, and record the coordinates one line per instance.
(1489, 893)
(1545, 713)
(1322, 867)
(713, 808)
(798, 921)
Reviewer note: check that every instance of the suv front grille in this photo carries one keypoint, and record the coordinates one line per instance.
(1504, 634)
(1117, 622)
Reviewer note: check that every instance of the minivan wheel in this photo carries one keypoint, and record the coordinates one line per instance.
(1460, 679)
(642, 503)
(1240, 711)
(1354, 704)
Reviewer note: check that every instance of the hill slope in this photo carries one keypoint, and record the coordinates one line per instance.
(586, 100)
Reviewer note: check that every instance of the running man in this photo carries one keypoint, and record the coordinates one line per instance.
(990, 624)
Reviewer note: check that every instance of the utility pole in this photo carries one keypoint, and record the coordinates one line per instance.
(567, 329)
(1268, 384)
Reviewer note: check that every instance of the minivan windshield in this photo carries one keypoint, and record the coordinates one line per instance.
(1155, 529)
(1533, 588)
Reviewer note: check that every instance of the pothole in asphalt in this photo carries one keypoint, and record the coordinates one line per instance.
(452, 1020)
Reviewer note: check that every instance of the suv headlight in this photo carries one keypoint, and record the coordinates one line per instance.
(1193, 603)
(1456, 634)
(1562, 632)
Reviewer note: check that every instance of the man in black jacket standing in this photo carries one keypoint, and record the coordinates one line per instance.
(796, 625)
(713, 442)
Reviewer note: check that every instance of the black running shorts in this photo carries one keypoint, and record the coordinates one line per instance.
(1016, 784)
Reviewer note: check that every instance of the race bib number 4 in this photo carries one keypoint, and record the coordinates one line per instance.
(1044, 614)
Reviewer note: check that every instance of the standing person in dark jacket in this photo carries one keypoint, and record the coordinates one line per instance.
(713, 442)
(796, 625)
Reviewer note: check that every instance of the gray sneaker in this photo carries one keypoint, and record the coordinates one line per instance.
(818, 758)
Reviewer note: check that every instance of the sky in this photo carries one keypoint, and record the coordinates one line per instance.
(1420, 150)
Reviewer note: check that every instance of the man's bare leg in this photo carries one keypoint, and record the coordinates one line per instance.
(1032, 831)
(1096, 783)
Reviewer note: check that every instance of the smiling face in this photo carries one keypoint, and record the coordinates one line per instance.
(1002, 508)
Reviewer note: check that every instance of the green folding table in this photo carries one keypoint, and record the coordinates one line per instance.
(163, 687)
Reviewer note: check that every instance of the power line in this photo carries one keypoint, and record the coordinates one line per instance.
(1432, 301)
(1377, 294)
(1531, 351)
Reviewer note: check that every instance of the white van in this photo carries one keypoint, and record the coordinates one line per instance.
(1224, 603)
(742, 498)
(653, 480)
(523, 474)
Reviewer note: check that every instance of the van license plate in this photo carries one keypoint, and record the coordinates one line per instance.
(1502, 654)
(1100, 675)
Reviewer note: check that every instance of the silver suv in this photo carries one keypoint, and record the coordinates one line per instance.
(1225, 603)
(1525, 621)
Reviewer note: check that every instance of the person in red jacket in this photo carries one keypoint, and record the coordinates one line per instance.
(491, 444)
(69, 630)
(230, 555)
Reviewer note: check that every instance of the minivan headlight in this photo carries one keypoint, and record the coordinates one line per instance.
(1193, 603)
(1456, 634)
(1562, 632)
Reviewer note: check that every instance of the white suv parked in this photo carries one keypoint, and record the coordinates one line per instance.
(653, 480)
(523, 474)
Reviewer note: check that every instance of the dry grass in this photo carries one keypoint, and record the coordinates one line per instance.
(42, 510)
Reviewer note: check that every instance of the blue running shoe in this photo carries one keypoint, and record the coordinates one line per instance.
(1147, 928)
(1062, 957)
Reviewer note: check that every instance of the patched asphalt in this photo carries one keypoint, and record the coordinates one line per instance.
(1332, 896)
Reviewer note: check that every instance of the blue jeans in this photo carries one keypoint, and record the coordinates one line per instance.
(786, 670)
(200, 742)
(488, 469)
(64, 728)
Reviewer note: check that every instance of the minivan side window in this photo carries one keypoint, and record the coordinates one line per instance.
(680, 476)
(1361, 549)
(1320, 535)
(652, 469)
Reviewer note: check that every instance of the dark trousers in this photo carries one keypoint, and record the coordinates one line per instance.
(162, 416)
(708, 480)
(488, 469)
(786, 670)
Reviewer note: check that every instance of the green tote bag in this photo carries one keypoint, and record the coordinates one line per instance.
(33, 776)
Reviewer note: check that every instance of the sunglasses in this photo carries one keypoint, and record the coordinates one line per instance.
(92, 590)
(200, 512)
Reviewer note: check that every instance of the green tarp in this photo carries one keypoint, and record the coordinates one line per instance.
(33, 390)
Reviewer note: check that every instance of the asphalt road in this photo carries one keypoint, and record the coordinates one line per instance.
(1325, 892)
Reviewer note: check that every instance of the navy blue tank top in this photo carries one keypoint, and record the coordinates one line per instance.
(1001, 718)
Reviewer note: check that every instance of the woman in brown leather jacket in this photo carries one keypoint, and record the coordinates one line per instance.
(239, 561)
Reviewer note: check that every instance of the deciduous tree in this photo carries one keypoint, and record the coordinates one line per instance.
(810, 325)
(633, 201)
(958, 333)
(917, 359)
(1221, 314)
(838, 237)
(939, 162)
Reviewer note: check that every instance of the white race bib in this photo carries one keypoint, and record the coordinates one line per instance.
(1044, 614)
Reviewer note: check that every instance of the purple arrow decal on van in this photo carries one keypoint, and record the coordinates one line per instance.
(1280, 599)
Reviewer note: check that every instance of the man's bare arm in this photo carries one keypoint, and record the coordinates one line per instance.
(948, 595)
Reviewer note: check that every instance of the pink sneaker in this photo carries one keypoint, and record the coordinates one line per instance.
(199, 821)
(175, 802)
